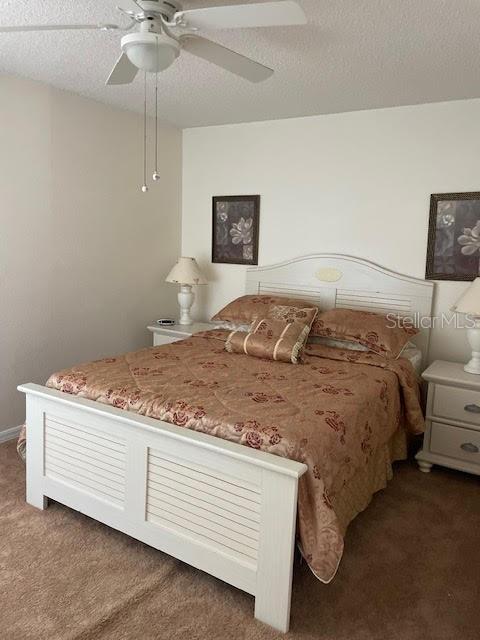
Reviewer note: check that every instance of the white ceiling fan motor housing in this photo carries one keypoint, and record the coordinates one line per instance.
(152, 52)
(167, 8)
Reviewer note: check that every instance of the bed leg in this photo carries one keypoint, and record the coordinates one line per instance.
(424, 466)
(276, 550)
(38, 501)
(35, 455)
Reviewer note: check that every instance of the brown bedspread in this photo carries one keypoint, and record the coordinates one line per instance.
(343, 413)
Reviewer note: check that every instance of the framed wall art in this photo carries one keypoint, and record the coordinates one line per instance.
(235, 227)
(453, 251)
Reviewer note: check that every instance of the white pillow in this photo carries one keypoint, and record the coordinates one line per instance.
(339, 344)
(410, 351)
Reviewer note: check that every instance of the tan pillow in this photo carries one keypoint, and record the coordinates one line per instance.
(232, 326)
(246, 308)
(281, 336)
(374, 331)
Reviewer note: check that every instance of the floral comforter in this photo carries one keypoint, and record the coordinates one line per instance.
(343, 413)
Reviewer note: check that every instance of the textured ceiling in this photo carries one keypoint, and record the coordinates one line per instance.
(353, 54)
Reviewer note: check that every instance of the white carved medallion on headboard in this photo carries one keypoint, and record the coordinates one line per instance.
(327, 274)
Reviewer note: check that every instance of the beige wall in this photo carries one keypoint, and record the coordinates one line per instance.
(355, 183)
(83, 253)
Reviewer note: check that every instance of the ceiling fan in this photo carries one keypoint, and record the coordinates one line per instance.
(164, 29)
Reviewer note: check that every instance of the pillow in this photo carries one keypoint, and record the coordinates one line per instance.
(246, 309)
(233, 326)
(372, 330)
(338, 344)
(280, 336)
(414, 355)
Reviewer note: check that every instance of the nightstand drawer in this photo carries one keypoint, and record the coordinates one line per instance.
(455, 442)
(457, 404)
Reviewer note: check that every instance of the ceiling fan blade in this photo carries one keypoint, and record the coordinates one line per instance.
(265, 14)
(225, 58)
(58, 27)
(123, 72)
(130, 5)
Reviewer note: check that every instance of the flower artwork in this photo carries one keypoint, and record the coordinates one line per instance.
(242, 231)
(470, 240)
(235, 226)
(454, 237)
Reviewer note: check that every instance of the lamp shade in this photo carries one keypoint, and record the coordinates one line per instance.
(469, 302)
(186, 271)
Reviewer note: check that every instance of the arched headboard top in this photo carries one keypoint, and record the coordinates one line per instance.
(334, 280)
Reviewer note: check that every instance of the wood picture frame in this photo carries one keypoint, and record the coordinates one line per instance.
(453, 250)
(235, 229)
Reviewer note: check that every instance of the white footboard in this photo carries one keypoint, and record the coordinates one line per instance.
(221, 507)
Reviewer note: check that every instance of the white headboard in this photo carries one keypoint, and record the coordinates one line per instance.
(334, 280)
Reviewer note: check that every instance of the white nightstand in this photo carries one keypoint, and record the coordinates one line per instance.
(452, 438)
(174, 332)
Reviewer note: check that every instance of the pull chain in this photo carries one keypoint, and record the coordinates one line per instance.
(156, 175)
(144, 187)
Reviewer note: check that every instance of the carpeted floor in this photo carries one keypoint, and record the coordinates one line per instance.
(411, 571)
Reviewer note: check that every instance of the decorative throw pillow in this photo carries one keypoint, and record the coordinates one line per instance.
(280, 336)
(247, 308)
(376, 332)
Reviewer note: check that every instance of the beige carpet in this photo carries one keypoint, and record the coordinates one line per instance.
(411, 571)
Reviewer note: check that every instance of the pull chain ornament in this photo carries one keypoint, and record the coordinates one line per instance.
(156, 175)
(144, 186)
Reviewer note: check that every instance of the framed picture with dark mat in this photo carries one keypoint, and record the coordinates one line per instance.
(453, 251)
(235, 229)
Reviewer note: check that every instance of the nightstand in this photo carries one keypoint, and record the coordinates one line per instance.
(174, 332)
(452, 437)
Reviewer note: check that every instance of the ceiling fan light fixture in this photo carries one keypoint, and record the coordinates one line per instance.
(152, 52)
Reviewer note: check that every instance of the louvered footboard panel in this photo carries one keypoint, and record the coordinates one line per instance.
(215, 509)
(88, 459)
(217, 505)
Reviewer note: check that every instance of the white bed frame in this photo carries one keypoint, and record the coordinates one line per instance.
(222, 507)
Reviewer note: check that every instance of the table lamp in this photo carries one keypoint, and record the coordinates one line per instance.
(186, 273)
(469, 303)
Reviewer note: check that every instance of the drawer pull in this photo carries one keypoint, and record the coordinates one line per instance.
(470, 447)
(473, 408)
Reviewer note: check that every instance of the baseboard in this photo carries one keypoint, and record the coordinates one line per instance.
(9, 434)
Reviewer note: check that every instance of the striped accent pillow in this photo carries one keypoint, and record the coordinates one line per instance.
(280, 336)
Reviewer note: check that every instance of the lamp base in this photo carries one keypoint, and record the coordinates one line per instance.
(185, 300)
(473, 366)
(473, 335)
